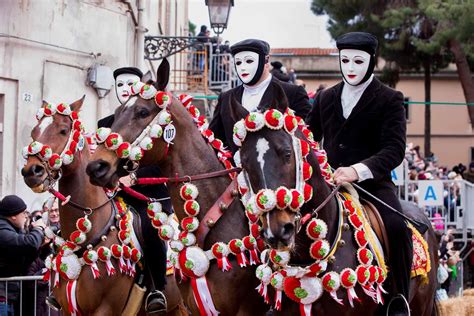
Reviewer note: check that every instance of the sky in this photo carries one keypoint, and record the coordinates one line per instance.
(282, 23)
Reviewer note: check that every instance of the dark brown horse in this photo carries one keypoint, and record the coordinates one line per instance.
(233, 292)
(268, 157)
(106, 295)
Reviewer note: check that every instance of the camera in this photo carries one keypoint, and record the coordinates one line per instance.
(37, 217)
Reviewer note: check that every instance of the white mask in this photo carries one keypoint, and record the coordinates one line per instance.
(246, 64)
(123, 84)
(354, 65)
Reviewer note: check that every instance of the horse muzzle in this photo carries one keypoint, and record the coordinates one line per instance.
(36, 177)
(281, 238)
(99, 172)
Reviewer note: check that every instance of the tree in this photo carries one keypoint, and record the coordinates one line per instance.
(192, 28)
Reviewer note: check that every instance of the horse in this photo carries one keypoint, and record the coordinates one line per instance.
(269, 158)
(108, 295)
(187, 157)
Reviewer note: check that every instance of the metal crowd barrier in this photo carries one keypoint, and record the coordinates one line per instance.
(19, 296)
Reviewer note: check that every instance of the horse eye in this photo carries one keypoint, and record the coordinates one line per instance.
(287, 155)
(64, 131)
(143, 113)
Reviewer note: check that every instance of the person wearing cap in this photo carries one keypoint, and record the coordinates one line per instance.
(18, 248)
(278, 73)
(256, 93)
(363, 127)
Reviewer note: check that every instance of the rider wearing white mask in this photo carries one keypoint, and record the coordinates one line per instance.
(256, 94)
(363, 128)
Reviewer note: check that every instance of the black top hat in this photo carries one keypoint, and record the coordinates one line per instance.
(254, 45)
(358, 40)
(11, 205)
(128, 70)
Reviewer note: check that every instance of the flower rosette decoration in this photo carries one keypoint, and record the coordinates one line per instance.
(319, 249)
(146, 143)
(113, 141)
(102, 133)
(49, 109)
(304, 291)
(276, 281)
(316, 229)
(365, 256)
(250, 243)
(283, 197)
(191, 207)
(274, 119)
(189, 192)
(84, 225)
(279, 258)
(264, 274)
(266, 199)
(297, 200)
(176, 245)
(77, 237)
(136, 87)
(355, 220)
(317, 268)
(90, 258)
(126, 253)
(307, 171)
(305, 148)
(123, 150)
(348, 279)
(186, 99)
(164, 118)
(237, 248)
(331, 282)
(242, 183)
(148, 92)
(135, 257)
(104, 255)
(252, 207)
(193, 262)
(239, 132)
(349, 205)
(361, 238)
(290, 124)
(156, 131)
(153, 208)
(220, 251)
(117, 253)
(363, 274)
(307, 192)
(190, 224)
(68, 266)
(254, 121)
(162, 99)
(136, 153)
(159, 219)
(187, 238)
(166, 232)
(55, 162)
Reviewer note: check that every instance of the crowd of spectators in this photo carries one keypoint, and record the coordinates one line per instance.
(23, 249)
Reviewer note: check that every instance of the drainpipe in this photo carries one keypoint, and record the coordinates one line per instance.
(140, 31)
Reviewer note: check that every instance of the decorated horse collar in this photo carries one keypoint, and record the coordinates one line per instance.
(76, 141)
(160, 126)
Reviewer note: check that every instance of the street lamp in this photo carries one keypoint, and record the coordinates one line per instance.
(219, 15)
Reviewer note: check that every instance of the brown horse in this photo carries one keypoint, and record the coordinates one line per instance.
(107, 295)
(269, 158)
(233, 292)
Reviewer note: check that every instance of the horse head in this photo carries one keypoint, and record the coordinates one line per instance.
(57, 137)
(136, 125)
(269, 166)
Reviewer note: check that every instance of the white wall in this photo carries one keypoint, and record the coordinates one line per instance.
(102, 30)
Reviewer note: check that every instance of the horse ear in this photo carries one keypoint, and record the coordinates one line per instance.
(162, 75)
(147, 77)
(237, 111)
(280, 101)
(76, 105)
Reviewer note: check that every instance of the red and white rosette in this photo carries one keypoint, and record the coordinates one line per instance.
(331, 283)
(362, 275)
(297, 200)
(189, 192)
(276, 281)
(381, 278)
(166, 232)
(113, 141)
(236, 247)
(252, 206)
(176, 245)
(102, 134)
(317, 268)
(280, 258)
(220, 251)
(291, 124)
(304, 291)
(255, 121)
(191, 207)
(190, 224)
(317, 229)
(104, 255)
(136, 87)
(153, 208)
(274, 119)
(307, 171)
(242, 183)
(361, 238)
(77, 237)
(90, 258)
(319, 249)
(266, 199)
(283, 197)
(126, 253)
(148, 91)
(135, 256)
(237, 160)
(136, 153)
(159, 219)
(49, 109)
(250, 243)
(187, 238)
(156, 131)
(264, 274)
(239, 132)
(117, 253)
(84, 224)
(305, 148)
(46, 152)
(162, 99)
(348, 281)
(307, 192)
(146, 143)
(193, 262)
(186, 99)
(365, 256)
(355, 220)
(55, 162)
(164, 118)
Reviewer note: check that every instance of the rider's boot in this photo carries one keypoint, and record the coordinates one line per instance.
(52, 303)
(155, 303)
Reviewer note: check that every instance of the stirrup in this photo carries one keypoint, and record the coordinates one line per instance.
(162, 303)
(52, 303)
(398, 306)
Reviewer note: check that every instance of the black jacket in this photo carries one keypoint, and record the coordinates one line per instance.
(17, 249)
(153, 191)
(222, 124)
(373, 134)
